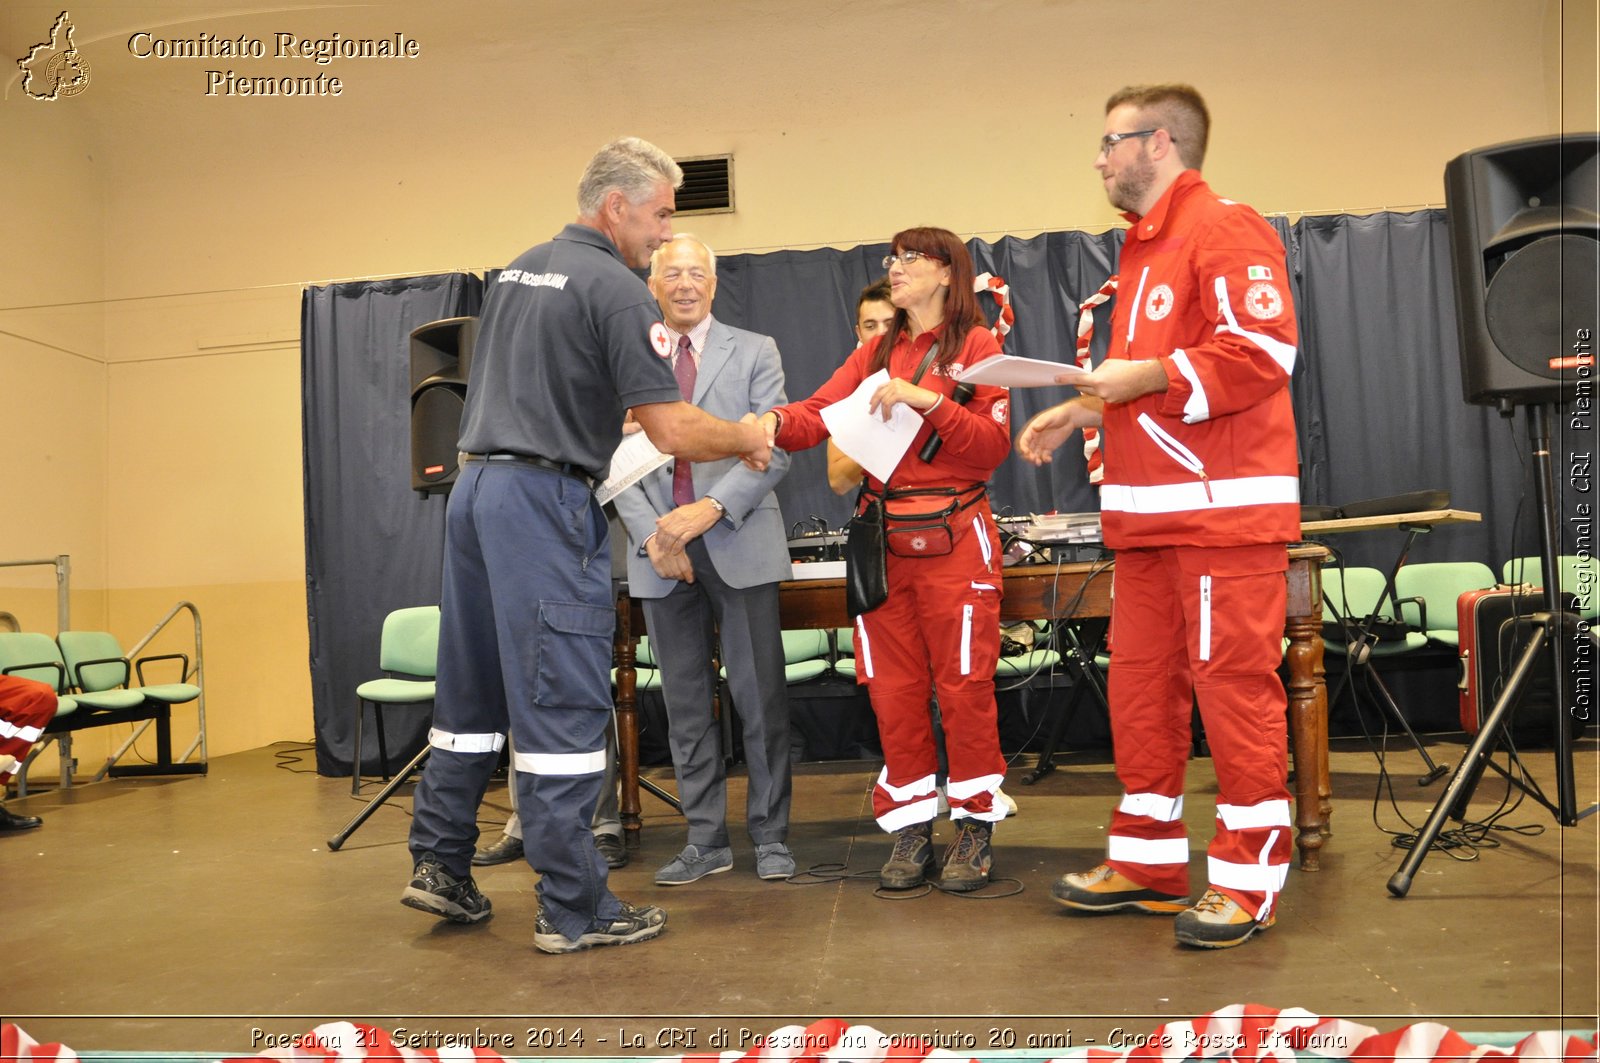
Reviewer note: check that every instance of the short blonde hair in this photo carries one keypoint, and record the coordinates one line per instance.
(1179, 109)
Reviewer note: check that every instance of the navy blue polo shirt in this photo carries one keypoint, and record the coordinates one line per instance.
(569, 338)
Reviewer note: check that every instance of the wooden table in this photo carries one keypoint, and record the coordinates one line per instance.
(1032, 592)
(1422, 520)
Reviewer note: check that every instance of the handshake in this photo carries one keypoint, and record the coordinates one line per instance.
(689, 433)
(758, 454)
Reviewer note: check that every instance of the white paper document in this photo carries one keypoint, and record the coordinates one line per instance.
(1009, 371)
(636, 458)
(873, 443)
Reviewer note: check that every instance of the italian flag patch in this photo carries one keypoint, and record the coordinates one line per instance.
(1258, 273)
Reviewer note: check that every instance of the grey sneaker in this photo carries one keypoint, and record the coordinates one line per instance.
(635, 923)
(911, 860)
(774, 860)
(437, 891)
(694, 864)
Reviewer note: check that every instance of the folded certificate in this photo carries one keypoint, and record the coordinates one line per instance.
(870, 441)
(630, 463)
(1009, 371)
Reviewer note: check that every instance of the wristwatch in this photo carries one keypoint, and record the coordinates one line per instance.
(721, 509)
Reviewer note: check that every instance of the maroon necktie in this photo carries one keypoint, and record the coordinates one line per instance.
(683, 471)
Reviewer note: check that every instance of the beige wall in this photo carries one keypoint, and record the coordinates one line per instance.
(149, 333)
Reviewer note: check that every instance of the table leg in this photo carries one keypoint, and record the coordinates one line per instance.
(1308, 716)
(627, 725)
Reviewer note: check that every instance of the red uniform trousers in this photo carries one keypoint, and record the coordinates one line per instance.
(26, 706)
(1227, 603)
(939, 631)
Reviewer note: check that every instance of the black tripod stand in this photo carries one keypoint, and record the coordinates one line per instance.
(1360, 638)
(1545, 645)
(401, 777)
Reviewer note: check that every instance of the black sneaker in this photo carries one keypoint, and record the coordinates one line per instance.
(636, 923)
(911, 860)
(435, 890)
(611, 850)
(503, 851)
(968, 858)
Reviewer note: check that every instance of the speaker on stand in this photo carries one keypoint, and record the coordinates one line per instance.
(1525, 246)
(441, 360)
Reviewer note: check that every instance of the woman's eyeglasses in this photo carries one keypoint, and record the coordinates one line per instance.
(905, 258)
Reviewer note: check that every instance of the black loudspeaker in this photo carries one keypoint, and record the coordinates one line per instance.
(441, 358)
(1525, 244)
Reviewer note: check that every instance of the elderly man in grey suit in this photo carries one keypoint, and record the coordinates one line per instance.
(709, 550)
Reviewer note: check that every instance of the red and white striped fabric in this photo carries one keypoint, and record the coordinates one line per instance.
(16, 1045)
(1247, 1033)
(1091, 436)
(997, 287)
(1241, 1032)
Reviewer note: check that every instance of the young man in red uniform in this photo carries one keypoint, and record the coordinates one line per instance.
(1199, 500)
(26, 707)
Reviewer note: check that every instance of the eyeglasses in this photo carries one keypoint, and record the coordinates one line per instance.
(905, 258)
(1111, 140)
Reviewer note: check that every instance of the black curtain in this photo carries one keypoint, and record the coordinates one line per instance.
(1380, 348)
(372, 544)
(1377, 399)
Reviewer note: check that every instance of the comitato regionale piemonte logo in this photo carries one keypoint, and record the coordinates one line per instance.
(55, 68)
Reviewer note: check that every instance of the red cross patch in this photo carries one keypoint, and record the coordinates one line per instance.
(1159, 303)
(1262, 301)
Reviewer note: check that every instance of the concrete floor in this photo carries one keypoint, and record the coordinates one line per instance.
(183, 914)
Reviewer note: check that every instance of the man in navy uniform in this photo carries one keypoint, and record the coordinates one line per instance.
(569, 338)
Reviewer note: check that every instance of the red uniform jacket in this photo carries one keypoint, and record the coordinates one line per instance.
(976, 436)
(1212, 460)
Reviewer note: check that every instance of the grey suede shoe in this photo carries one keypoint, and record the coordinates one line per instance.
(694, 864)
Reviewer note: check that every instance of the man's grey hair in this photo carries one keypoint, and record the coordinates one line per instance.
(632, 166)
(658, 253)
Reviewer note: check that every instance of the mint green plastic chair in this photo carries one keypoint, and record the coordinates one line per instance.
(96, 662)
(1429, 591)
(409, 652)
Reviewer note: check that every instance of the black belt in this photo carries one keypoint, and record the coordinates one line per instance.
(565, 468)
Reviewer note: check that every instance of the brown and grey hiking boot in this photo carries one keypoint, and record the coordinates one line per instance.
(911, 860)
(968, 858)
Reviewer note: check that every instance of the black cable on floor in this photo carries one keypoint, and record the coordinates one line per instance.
(830, 872)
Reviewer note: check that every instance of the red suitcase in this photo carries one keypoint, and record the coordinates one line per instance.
(1494, 630)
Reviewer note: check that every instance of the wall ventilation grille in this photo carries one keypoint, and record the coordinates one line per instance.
(707, 185)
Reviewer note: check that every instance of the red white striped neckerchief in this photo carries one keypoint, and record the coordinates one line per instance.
(1091, 436)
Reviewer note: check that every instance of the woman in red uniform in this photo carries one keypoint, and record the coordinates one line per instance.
(939, 629)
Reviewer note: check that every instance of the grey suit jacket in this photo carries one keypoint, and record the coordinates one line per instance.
(740, 372)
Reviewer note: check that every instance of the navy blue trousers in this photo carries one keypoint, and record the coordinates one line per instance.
(525, 637)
